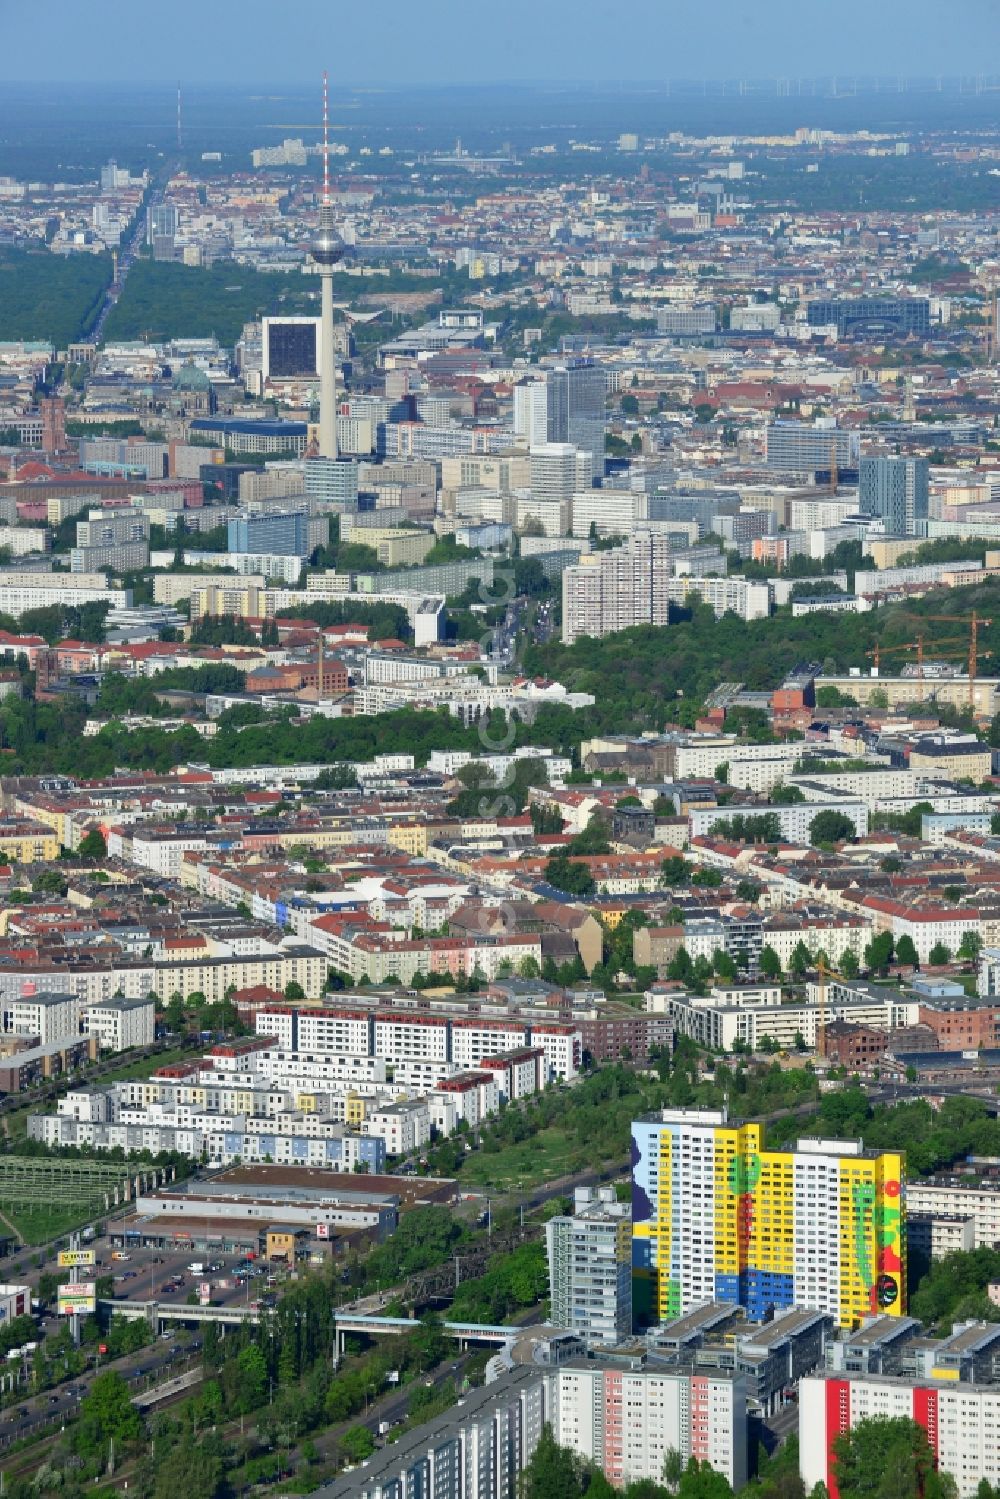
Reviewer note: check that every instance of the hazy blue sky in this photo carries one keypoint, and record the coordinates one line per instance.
(437, 41)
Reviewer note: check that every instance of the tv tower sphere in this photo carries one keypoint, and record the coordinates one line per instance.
(328, 247)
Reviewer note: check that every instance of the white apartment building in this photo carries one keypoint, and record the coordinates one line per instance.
(611, 512)
(610, 591)
(794, 820)
(552, 514)
(962, 1422)
(627, 1420)
(979, 1201)
(120, 1024)
(747, 600)
(20, 591)
(50, 1017)
(558, 470)
(404, 1125)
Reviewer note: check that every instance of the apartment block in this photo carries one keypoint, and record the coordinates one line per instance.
(590, 1267)
(717, 1217)
(610, 591)
(962, 1422)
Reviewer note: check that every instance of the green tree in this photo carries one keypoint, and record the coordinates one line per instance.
(970, 946)
(553, 1472)
(801, 959)
(194, 1469)
(246, 1377)
(49, 882)
(878, 953)
(93, 845)
(888, 1458)
(906, 952)
(828, 828)
(357, 1444)
(674, 871)
(939, 955)
(769, 963)
(849, 964)
(106, 1414)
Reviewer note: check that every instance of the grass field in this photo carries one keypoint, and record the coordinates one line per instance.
(41, 1225)
(544, 1158)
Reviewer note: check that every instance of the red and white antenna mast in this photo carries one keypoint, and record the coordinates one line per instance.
(326, 141)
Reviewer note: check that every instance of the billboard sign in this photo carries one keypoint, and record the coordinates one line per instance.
(70, 1258)
(79, 1300)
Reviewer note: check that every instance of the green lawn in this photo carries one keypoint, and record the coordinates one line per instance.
(544, 1158)
(143, 1066)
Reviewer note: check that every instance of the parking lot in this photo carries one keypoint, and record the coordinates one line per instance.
(141, 1274)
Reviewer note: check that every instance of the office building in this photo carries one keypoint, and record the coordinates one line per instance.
(576, 406)
(237, 434)
(531, 412)
(962, 1421)
(895, 491)
(609, 591)
(334, 481)
(871, 316)
(161, 222)
(557, 469)
(289, 348)
(698, 318)
(590, 1267)
(757, 317)
(717, 1217)
(285, 532)
(796, 447)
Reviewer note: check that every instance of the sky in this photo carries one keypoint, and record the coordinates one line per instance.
(425, 42)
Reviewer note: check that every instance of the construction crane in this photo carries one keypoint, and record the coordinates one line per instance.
(887, 650)
(975, 623)
(823, 974)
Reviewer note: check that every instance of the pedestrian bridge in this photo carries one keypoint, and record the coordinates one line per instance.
(374, 1327)
(156, 1313)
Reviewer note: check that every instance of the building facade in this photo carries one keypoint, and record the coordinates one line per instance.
(717, 1217)
(590, 1267)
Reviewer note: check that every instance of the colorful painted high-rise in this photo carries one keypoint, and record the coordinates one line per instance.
(716, 1216)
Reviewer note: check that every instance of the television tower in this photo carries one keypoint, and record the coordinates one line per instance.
(327, 251)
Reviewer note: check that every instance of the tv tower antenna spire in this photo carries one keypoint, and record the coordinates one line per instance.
(326, 140)
(327, 251)
(180, 137)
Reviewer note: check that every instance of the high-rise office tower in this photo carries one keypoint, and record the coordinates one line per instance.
(283, 533)
(802, 447)
(162, 220)
(590, 1267)
(715, 1216)
(327, 251)
(895, 490)
(576, 409)
(531, 413)
(609, 591)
